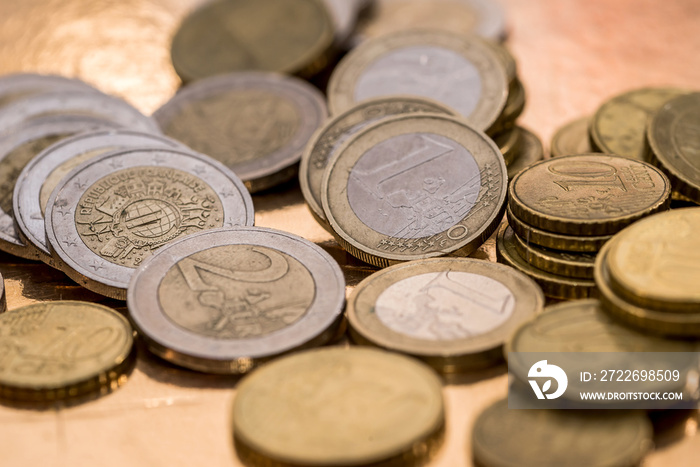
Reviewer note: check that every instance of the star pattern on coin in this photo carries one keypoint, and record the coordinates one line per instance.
(227, 194)
(158, 160)
(230, 222)
(116, 164)
(63, 211)
(199, 169)
(96, 266)
(70, 242)
(78, 184)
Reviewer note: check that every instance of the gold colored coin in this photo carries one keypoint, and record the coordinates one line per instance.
(60, 350)
(510, 143)
(513, 109)
(562, 263)
(339, 407)
(619, 125)
(531, 151)
(3, 301)
(572, 138)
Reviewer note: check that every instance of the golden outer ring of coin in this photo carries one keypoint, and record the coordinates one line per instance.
(664, 150)
(509, 142)
(553, 261)
(530, 151)
(250, 405)
(577, 226)
(572, 138)
(334, 129)
(655, 322)
(459, 131)
(515, 105)
(450, 356)
(494, 95)
(555, 241)
(100, 380)
(554, 286)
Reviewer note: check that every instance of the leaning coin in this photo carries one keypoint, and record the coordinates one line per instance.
(226, 300)
(590, 194)
(510, 144)
(55, 351)
(20, 145)
(286, 36)
(562, 263)
(414, 187)
(3, 300)
(530, 151)
(453, 313)
(572, 138)
(111, 212)
(39, 178)
(326, 141)
(342, 407)
(504, 437)
(257, 124)
(461, 72)
(515, 105)
(20, 85)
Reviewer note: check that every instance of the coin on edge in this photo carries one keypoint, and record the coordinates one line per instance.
(60, 350)
(531, 151)
(572, 138)
(414, 187)
(257, 124)
(342, 407)
(3, 300)
(461, 72)
(20, 85)
(562, 263)
(328, 139)
(111, 212)
(455, 314)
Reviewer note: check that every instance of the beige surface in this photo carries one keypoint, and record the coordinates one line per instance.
(572, 54)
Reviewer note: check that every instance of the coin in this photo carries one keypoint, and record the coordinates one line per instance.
(286, 36)
(59, 350)
(562, 263)
(672, 135)
(459, 71)
(344, 16)
(20, 85)
(341, 407)
(17, 147)
(591, 194)
(41, 175)
(572, 138)
(327, 140)
(113, 211)
(257, 124)
(510, 143)
(414, 187)
(513, 109)
(3, 300)
(453, 313)
(226, 300)
(619, 125)
(91, 104)
(503, 437)
(553, 285)
(531, 151)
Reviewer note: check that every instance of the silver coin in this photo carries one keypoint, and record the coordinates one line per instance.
(20, 85)
(257, 124)
(76, 103)
(3, 301)
(111, 212)
(344, 15)
(17, 147)
(224, 300)
(43, 173)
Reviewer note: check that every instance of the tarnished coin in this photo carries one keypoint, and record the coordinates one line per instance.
(17, 147)
(591, 194)
(3, 300)
(572, 138)
(20, 85)
(619, 125)
(60, 350)
(562, 263)
(327, 141)
(553, 285)
(510, 143)
(461, 72)
(226, 300)
(552, 438)
(92, 104)
(414, 187)
(673, 137)
(342, 407)
(257, 124)
(513, 109)
(286, 36)
(39, 178)
(455, 314)
(111, 212)
(531, 151)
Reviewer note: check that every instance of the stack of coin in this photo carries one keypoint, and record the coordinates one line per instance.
(561, 212)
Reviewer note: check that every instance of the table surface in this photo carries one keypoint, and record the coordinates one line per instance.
(572, 54)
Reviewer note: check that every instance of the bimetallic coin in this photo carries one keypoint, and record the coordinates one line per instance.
(551, 438)
(343, 407)
(673, 137)
(531, 151)
(591, 194)
(39, 178)
(572, 138)
(327, 140)
(619, 125)
(455, 314)
(226, 300)
(286, 36)
(461, 72)
(20, 85)
(414, 187)
(257, 124)
(563, 263)
(20, 145)
(113, 211)
(60, 350)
